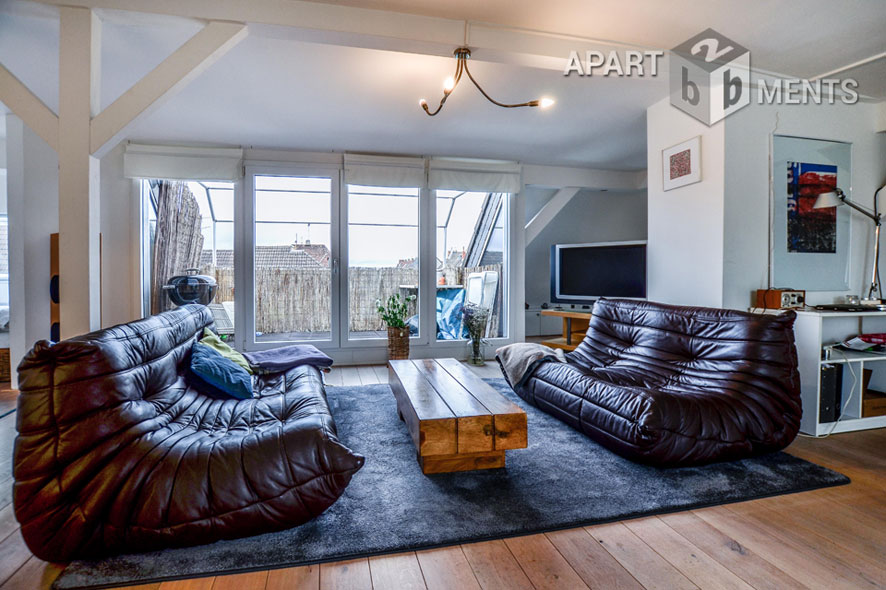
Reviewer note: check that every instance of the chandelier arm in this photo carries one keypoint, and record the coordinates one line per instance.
(458, 71)
(531, 103)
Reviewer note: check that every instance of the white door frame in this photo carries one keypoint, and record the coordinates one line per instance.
(244, 245)
(374, 343)
(339, 347)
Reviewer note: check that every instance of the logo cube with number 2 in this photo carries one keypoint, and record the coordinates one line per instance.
(710, 76)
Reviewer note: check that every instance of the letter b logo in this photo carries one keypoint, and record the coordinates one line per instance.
(709, 76)
(690, 88)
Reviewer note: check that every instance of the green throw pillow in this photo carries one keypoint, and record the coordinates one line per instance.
(211, 340)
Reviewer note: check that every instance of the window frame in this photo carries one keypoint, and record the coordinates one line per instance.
(339, 347)
(244, 254)
(344, 310)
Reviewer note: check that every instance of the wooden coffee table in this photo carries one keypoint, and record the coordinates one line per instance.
(457, 421)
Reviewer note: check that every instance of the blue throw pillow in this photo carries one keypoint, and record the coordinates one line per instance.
(219, 373)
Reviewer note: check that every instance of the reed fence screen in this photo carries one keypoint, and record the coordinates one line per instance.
(300, 300)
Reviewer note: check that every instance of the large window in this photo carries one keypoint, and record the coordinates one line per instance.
(383, 256)
(471, 262)
(190, 229)
(303, 253)
(292, 258)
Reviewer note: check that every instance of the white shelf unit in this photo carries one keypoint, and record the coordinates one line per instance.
(815, 329)
(542, 325)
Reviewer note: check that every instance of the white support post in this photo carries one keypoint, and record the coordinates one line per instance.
(548, 212)
(28, 107)
(175, 72)
(78, 173)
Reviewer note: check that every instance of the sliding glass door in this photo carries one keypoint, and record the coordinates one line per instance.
(438, 249)
(291, 258)
(383, 257)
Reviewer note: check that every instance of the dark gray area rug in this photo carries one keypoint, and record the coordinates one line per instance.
(562, 480)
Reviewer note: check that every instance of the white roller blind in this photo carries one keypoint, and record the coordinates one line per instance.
(495, 176)
(384, 171)
(182, 163)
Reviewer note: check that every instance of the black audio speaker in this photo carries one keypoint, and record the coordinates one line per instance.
(831, 393)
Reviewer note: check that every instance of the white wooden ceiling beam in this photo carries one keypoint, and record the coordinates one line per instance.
(78, 173)
(28, 107)
(547, 213)
(590, 178)
(350, 26)
(296, 13)
(174, 73)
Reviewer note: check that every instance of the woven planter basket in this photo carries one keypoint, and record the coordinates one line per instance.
(398, 343)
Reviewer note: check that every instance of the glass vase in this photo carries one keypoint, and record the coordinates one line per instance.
(476, 352)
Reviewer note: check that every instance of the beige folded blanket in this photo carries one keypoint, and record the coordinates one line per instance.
(518, 361)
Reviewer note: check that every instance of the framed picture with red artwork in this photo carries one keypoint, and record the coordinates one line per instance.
(681, 164)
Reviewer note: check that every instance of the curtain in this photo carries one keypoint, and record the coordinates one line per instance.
(462, 174)
(178, 240)
(182, 163)
(392, 171)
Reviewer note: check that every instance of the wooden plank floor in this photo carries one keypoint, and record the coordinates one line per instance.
(831, 538)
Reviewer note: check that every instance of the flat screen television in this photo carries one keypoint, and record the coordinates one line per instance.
(582, 273)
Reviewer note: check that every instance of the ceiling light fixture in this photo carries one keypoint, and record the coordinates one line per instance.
(462, 54)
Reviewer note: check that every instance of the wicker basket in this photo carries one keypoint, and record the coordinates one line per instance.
(398, 343)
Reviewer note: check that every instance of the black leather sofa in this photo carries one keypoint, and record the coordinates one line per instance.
(669, 386)
(116, 452)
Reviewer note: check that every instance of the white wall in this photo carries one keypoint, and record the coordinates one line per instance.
(32, 182)
(33, 215)
(534, 198)
(748, 133)
(685, 234)
(591, 216)
(3, 204)
(120, 263)
(708, 242)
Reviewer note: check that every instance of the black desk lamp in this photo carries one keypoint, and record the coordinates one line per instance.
(836, 198)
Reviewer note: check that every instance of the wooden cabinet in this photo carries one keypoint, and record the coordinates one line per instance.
(575, 325)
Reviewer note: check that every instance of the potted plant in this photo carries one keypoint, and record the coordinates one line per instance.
(475, 318)
(393, 313)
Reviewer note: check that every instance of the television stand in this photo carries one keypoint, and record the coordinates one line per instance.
(575, 324)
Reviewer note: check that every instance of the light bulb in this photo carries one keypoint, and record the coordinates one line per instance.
(422, 103)
(448, 84)
(546, 102)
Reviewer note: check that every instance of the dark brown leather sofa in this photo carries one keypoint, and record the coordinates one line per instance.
(670, 386)
(117, 453)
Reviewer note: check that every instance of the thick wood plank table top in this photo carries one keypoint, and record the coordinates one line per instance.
(456, 420)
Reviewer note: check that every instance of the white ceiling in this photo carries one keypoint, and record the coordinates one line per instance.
(798, 38)
(277, 92)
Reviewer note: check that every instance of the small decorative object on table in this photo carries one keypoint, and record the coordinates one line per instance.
(393, 314)
(475, 318)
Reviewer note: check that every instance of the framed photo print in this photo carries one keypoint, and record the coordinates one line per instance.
(810, 248)
(681, 164)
